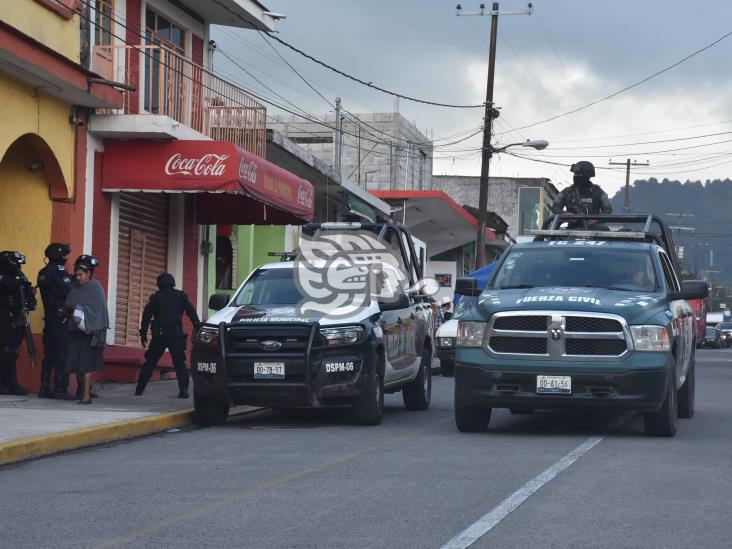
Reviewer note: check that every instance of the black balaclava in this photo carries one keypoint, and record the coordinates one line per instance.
(582, 181)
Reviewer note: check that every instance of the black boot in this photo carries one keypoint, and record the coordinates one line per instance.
(139, 389)
(61, 386)
(183, 392)
(45, 391)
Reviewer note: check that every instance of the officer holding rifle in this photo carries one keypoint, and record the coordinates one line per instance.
(16, 301)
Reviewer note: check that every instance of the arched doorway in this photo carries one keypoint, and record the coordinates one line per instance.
(29, 176)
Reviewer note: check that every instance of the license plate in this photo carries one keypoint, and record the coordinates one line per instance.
(554, 384)
(269, 370)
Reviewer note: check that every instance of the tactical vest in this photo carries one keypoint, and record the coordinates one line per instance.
(584, 200)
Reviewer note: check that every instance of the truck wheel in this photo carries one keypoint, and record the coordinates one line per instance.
(418, 393)
(686, 394)
(368, 407)
(663, 422)
(447, 369)
(470, 419)
(208, 411)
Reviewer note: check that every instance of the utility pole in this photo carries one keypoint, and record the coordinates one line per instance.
(338, 136)
(628, 164)
(490, 114)
(678, 228)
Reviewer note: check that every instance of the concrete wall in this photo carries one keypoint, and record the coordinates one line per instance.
(45, 25)
(502, 193)
(398, 165)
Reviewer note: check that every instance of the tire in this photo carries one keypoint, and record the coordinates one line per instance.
(447, 369)
(686, 394)
(368, 407)
(208, 411)
(418, 393)
(470, 419)
(663, 422)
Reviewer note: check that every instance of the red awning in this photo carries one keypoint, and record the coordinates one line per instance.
(235, 186)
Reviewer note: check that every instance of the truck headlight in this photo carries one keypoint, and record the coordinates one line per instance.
(207, 335)
(470, 334)
(447, 341)
(343, 335)
(650, 338)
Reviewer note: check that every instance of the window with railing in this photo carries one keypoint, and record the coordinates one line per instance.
(164, 95)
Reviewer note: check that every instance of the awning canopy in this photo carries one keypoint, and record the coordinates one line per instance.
(234, 185)
(434, 217)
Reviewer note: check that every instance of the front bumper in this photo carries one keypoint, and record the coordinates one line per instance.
(637, 384)
(313, 376)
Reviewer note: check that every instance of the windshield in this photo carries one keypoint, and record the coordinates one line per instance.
(725, 325)
(577, 266)
(269, 287)
(711, 332)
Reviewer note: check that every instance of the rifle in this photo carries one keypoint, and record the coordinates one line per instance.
(25, 317)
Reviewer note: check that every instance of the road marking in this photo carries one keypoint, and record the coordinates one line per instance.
(487, 522)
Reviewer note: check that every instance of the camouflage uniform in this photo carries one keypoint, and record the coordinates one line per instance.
(582, 199)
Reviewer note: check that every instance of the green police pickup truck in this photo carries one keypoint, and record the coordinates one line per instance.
(579, 319)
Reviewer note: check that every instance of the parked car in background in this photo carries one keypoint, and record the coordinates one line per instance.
(713, 338)
(726, 328)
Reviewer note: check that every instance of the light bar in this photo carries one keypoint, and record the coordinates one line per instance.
(620, 235)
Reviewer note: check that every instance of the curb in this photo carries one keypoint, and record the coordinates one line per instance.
(23, 449)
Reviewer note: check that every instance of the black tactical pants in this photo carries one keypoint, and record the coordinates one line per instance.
(55, 349)
(10, 339)
(176, 343)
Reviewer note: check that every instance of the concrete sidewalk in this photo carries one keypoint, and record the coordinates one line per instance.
(33, 427)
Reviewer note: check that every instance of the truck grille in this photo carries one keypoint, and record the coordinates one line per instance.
(592, 324)
(251, 339)
(554, 334)
(519, 345)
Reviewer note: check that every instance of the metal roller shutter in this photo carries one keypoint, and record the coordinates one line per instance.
(142, 256)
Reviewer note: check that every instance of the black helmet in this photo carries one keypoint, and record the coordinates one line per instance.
(86, 263)
(166, 280)
(57, 252)
(11, 261)
(583, 167)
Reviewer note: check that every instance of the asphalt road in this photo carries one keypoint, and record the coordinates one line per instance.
(310, 479)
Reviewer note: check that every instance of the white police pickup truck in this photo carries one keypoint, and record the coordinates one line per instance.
(261, 349)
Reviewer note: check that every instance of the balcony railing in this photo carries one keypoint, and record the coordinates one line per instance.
(167, 83)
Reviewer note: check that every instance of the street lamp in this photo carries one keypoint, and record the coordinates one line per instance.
(539, 145)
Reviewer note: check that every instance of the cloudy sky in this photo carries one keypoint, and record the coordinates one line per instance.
(569, 53)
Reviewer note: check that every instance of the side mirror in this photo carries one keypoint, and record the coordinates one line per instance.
(218, 301)
(692, 289)
(402, 302)
(467, 286)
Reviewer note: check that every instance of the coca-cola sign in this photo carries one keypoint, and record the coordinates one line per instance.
(248, 171)
(305, 197)
(207, 165)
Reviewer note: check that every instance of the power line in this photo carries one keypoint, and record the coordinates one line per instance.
(631, 86)
(368, 84)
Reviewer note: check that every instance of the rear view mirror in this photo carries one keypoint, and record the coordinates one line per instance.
(467, 286)
(692, 289)
(218, 301)
(402, 302)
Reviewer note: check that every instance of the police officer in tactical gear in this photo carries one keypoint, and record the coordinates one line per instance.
(165, 308)
(12, 326)
(54, 283)
(583, 197)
